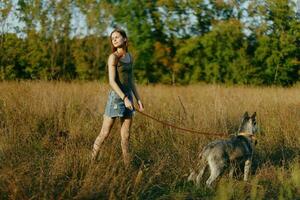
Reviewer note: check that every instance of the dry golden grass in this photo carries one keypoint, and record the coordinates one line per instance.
(47, 130)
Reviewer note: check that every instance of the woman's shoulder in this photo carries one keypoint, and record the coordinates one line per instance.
(113, 58)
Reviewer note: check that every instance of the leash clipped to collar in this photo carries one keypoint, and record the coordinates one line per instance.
(181, 128)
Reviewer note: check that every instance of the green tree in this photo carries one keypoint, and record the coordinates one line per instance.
(189, 56)
(90, 53)
(224, 56)
(14, 63)
(5, 9)
(277, 53)
(90, 58)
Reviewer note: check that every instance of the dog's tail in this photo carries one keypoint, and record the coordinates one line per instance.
(196, 175)
(200, 156)
(193, 174)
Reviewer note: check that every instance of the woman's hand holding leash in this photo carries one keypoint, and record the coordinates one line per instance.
(128, 103)
(141, 106)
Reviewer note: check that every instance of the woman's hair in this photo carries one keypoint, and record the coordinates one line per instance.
(123, 33)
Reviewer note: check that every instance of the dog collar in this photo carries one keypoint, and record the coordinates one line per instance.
(251, 136)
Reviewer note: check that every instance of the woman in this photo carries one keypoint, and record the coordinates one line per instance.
(120, 100)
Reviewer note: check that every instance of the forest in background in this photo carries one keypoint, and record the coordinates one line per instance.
(172, 41)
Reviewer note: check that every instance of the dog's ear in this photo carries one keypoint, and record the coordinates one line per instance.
(253, 116)
(245, 116)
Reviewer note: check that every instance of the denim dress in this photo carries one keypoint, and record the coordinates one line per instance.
(115, 106)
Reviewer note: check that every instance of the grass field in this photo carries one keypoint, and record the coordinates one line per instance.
(47, 130)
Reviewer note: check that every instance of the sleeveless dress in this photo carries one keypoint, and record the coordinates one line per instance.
(115, 106)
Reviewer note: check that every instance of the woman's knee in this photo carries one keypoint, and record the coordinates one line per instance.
(103, 135)
(105, 130)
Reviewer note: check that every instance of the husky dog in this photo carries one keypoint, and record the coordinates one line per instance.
(221, 154)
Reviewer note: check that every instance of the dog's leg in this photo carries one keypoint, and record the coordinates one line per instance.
(196, 177)
(232, 168)
(214, 174)
(216, 169)
(247, 169)
(192, 175)
(200, 174)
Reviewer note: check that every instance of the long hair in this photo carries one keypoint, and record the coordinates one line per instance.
(123, 33)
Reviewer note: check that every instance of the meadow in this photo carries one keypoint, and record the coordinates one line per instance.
(47, 130)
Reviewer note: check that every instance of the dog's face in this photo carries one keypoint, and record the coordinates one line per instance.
(248, 124)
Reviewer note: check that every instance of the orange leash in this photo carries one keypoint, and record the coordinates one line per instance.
(181, 128)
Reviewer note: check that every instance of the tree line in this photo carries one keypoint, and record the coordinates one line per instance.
(172, 41)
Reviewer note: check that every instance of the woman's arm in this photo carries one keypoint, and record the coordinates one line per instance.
(136, 94)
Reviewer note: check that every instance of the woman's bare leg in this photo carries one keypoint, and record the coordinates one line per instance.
(125, 128)
(108, 123)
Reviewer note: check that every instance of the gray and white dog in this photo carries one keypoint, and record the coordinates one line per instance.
(221, 154)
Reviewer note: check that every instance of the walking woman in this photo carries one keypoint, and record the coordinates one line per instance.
(120, 98)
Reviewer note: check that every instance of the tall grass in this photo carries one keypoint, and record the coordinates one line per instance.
(47, 130)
